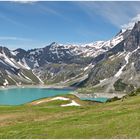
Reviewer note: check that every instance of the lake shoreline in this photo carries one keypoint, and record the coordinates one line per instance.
(36, 86)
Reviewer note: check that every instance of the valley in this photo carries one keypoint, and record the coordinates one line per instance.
(69, 69)
(107, 66)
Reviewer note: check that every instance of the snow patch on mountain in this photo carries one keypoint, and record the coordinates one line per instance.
(5, 83)
(26, 77)
(88, 67)
(120, 70)
(14, 53)
(36, 65)
(127, 61)
(33, 71)
(24, 64)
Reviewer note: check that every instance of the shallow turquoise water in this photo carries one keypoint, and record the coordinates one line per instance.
(99, 99)
(18, 96)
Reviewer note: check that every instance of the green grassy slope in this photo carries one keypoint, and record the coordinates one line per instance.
(119, 119)
(30, 75)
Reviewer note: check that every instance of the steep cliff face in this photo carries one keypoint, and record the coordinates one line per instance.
(118, 69)
(133, 40)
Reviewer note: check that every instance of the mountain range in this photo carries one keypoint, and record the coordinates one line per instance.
(110, 66)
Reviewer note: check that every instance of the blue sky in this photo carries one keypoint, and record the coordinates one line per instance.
(35, 24)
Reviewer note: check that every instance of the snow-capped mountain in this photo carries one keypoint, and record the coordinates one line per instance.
(53, 63)
(118, 69)
(59, 53)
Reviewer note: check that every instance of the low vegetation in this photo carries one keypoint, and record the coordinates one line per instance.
(120, 86)
(118, 119)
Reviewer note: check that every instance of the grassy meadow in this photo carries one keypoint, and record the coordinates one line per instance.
(118, 119)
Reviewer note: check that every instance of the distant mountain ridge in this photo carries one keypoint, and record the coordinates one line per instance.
(93, 64)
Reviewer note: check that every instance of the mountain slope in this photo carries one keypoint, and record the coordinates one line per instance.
(12, 71)
(54, 63)
(118, 70)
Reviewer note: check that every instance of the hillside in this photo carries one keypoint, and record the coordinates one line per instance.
(111, 66)
(119, 119)
(117, 70)
(54, 63)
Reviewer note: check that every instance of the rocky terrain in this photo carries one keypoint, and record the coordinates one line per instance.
(110, 66)
(52, 64)
(118, 69)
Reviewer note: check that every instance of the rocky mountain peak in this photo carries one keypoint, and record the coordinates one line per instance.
(137, 26)
(19, 50)
(54, 44)
(133, 40)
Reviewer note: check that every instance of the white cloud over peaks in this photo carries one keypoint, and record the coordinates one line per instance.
(131, 23)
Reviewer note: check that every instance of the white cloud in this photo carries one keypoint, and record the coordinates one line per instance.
(14, 38)
(51, 10)
(24, 1)
(117, 13)
(131, 23)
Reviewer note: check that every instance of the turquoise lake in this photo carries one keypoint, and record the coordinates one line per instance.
(99, 99)
(18, 96)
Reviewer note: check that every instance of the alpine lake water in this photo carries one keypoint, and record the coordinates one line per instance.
(99, 99)
(18, 96)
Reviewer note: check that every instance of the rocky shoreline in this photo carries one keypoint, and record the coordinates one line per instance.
(99, 95)
(35, 86)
